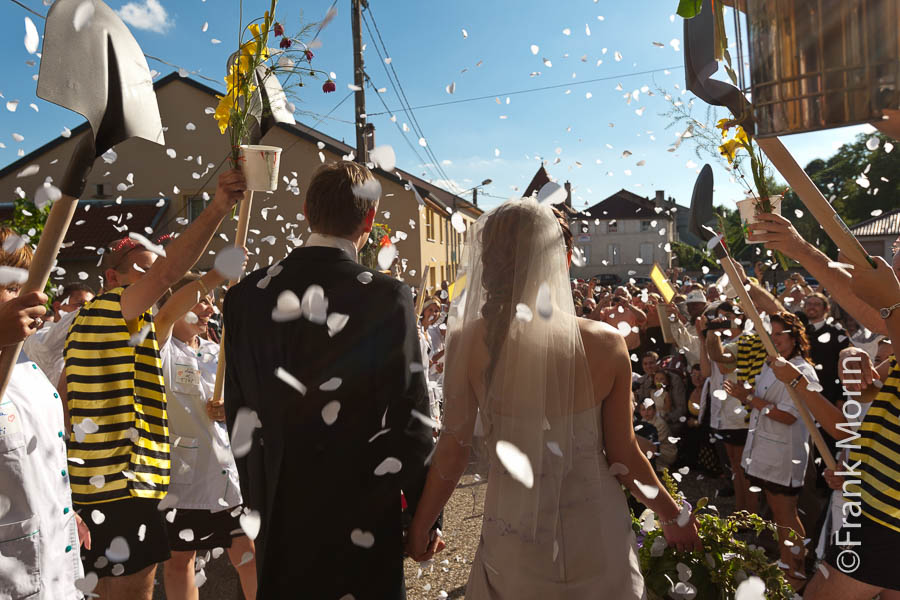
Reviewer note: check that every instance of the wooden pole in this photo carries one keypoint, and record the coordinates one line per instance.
(44, 256)
(240, 240)
(420, 297)
(750, 311)
(815, 202)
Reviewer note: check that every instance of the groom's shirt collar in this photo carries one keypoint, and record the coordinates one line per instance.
(333, 241)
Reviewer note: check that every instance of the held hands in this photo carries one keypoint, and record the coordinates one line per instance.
(835, 482)
(230, 190)
(84, 534)
(21, 317)
(421, 545)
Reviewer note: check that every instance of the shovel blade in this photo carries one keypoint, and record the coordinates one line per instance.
(92, 64)
(702, 205)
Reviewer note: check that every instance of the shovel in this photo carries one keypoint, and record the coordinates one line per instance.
(91, 64)
(700, 64)
(702, 208)
(268, 105)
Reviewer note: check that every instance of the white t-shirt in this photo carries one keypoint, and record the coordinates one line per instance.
(204, 475)
(775, 451)
(725, 411)
(39, 549)
(46, 346)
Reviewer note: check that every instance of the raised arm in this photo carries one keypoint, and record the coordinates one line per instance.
(778, 234)
(184, 250)
(726, 363)
(182, 301)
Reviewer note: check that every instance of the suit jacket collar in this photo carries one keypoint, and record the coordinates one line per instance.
(331, 241)
(320, 253)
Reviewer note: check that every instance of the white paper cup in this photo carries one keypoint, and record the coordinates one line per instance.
(260, 165)
(747, 209)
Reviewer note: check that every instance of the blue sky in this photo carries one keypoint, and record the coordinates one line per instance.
(473, 141)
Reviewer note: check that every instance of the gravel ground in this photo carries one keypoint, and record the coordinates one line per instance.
(449, 571)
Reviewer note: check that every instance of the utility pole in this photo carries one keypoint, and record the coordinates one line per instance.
(359, 80)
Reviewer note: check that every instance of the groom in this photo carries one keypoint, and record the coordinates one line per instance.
(334, 381)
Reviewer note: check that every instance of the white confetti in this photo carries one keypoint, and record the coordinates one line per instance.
(386, 256)
(229, 262)
(290, 380)
(459, 224)
(242, 432)
(535, 49)
(12, 105)
(154, 248)
(250, 524)
(336, 322)
(523, 313)
(331, 385)
(752, 588)
(388, 465)
(544, 303)
(383, 157)
(365, 277)
(83, 14)
(649, 491)
(330, 412)
(314, 305)
(515, 462)
(32, 39)
(118, 551)
(97, 517)
(363, 539)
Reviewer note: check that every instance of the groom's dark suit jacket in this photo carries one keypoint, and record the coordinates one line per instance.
(314, 483)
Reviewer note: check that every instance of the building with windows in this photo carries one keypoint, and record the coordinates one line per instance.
(625, 235)
(155, 190)
(879, 234)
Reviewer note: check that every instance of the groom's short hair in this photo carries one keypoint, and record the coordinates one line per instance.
(332, 206)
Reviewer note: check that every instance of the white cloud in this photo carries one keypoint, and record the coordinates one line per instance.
(149, 15)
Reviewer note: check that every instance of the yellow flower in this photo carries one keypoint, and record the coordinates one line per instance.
(729, 149)
(723, 124)
(223, 111)
(254, 29)
(741, 136)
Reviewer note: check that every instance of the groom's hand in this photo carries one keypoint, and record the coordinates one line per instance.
(422, 546)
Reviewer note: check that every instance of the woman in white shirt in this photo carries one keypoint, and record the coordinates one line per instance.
(777, 449)
(203, 505)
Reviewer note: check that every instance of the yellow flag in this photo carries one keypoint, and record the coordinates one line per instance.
(456, 288)
(662, 284)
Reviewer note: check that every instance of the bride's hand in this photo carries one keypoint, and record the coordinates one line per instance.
(423, 545)
(685, 539)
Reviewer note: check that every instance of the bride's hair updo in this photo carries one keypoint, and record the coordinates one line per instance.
(505, 235)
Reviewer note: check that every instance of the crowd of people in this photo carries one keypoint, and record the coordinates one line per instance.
(116, 455)
(708, 399)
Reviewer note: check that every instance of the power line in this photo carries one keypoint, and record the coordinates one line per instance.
(537, 89)
(401, 94)
(403, 135)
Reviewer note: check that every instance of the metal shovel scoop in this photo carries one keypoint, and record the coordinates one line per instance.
(91, 64)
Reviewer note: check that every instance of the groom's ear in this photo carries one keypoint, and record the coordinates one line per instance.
(369, 221)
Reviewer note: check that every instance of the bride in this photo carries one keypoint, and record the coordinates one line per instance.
(553, 393)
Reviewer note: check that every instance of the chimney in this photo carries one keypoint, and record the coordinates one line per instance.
(660, 197)
(568, 194)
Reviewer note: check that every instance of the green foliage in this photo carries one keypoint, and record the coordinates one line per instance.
(689, 9)
(691, 258)
(725, 562)
(28, 221)
(368, 256)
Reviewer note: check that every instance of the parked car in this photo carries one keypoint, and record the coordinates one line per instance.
(608, 279)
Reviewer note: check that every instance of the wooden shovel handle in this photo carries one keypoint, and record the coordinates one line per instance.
(750, 310)
(815, 202)
(240, 240)
(44, 257)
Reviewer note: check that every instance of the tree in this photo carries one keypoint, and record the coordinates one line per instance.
(368, 256)
(28, 221)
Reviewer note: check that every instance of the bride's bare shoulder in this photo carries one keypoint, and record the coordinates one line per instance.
(600, 337)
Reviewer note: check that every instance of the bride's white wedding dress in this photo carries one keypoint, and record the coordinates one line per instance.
(556, 524)
(585, 550)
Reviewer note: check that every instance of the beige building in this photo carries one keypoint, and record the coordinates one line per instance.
(155, 190)
(879, 234)
(624, 235)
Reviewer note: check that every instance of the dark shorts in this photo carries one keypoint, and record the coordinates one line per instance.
(734, 437)
(874, 560)
(130, 536)
(203, 529)
(775, 488)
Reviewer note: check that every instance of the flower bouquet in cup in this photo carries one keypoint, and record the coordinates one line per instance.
(257, 81)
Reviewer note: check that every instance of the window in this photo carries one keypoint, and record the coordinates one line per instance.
(646, 253)
(429, 224)
(442, 224)
(612, 226)
(645, 226)
(612, 251)
(443, 274)
(432, 275)
(585, 253)
(195, 206)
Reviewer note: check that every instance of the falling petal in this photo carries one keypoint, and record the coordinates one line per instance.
(389, 465)
(336, 323)
(242, 432)
(250, 523)
(649, 491)
(516, 463)
(330, 412)
(363, 539)
(230, 262)
(32, 39)
(544, 303)
(290, 380)
(523, 313)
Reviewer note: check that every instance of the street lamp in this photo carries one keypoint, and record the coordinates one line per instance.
(474, 190)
